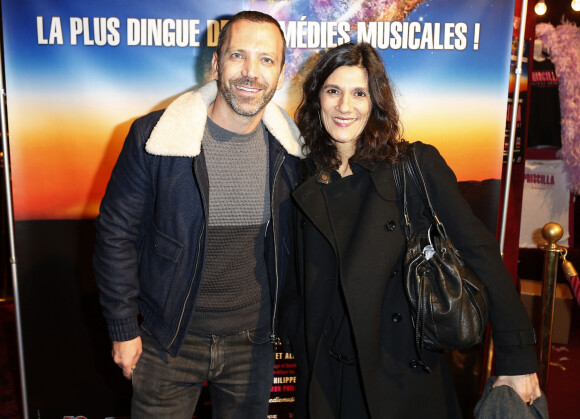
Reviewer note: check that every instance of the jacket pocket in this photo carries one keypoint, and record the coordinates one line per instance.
(158, 269)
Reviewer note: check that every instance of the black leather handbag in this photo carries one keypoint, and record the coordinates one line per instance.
(447, 301)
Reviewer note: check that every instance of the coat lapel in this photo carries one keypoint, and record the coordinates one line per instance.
(382, 177)
(308, 197)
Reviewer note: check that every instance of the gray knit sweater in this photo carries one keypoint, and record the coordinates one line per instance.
(234, 293)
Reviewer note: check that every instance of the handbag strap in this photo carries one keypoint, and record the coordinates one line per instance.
(415, 172)
(401, 186)
(410, 165)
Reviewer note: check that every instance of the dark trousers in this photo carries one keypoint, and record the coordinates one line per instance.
(337, 389)
(238, 370)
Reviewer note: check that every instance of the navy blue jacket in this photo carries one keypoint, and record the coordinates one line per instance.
(150, 245)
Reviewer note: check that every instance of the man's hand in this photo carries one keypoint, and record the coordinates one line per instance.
(527, 386)
(126, 355)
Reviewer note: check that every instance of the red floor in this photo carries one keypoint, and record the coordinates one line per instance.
(564, 375)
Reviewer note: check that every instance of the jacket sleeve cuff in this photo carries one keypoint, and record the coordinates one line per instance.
(515, 354)
(121, 330)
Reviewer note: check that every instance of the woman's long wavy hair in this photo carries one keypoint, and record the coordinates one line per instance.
(381, 138)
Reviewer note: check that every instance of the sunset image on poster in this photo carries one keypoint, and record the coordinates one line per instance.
(77, 77)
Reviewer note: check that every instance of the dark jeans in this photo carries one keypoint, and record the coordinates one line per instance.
(238, 369)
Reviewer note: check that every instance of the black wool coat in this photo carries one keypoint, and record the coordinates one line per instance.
(368, 268)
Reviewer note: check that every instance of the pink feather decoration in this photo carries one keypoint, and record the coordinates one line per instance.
(563, 46)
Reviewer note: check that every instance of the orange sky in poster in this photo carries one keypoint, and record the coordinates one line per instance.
(65, 157)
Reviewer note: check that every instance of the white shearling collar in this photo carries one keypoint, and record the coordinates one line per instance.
(180, 129)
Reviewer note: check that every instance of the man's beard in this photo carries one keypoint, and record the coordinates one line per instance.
(243, 105)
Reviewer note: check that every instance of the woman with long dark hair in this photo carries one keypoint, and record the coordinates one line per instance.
(347, 316)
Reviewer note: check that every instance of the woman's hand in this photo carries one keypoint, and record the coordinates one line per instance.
(527, 386)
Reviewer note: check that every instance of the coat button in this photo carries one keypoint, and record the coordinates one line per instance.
(394, 273)
(390, 225)
(396, 317)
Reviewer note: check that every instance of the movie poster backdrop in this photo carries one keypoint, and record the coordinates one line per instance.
(78, 73)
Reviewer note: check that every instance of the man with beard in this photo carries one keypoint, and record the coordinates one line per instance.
(193, 235)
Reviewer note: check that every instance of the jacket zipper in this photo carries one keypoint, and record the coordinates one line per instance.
(273, 333)
(190, 287)
(194, 270)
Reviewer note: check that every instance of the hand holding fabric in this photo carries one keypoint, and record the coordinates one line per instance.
(527, 386)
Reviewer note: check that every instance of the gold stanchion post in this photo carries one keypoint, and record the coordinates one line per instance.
(552, 232)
